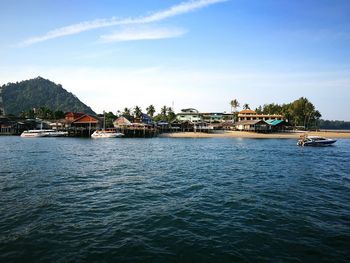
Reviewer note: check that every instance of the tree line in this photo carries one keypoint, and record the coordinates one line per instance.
(334, 125)
(166, 114)
(42, 113)
(300, 112)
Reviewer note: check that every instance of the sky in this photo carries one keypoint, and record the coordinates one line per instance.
(201, 54)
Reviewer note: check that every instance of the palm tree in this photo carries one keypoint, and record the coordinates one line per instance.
(309, 113)
(150, 110)
(137, 112)
(234, 105)
(164, 110)
(126, 111)
(317, 116)
(171, 114)
(246, 106)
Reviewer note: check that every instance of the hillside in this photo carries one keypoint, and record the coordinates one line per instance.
(40, 92)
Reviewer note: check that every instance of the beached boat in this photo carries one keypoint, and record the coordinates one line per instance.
(43, 133)
(106, 134)
(314, 141)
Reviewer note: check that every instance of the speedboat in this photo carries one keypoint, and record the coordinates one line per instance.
(106, 134)
(315, 141)
(43, 133)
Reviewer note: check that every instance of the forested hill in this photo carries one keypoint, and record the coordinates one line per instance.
(39, 92)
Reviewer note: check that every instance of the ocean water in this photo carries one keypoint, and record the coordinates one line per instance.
(173, 200)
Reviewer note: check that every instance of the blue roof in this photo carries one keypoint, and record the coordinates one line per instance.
(274, 122)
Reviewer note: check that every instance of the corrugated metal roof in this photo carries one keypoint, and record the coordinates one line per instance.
(274, 122)
(122, 121)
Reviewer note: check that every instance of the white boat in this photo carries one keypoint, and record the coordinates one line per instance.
(106, 134)
(33, 133)
(109, 133)
(53, 133)
(314, 141)
(43, 133)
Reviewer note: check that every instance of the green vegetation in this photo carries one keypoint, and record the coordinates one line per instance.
(42, 113)
(127, 113)
(137, 112)
(246, 106)
(41, 98)
(150, 110)
(42, 95)
(300, 112)
(109, 117)
(334, 125)
(234, 105)
(166, 114)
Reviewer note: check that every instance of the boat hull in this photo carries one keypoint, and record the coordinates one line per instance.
(315, 141)
(32, 135)
(43, 133)
(101, 134)
(320, 143)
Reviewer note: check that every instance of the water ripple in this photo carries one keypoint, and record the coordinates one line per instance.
(173, 200)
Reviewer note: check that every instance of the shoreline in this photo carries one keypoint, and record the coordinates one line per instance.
(253, 135)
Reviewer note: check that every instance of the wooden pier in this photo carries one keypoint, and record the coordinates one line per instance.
(139, 132)
(129, 132)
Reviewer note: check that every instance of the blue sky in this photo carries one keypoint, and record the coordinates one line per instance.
(201, 53)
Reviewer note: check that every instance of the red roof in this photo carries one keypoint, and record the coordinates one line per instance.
(70, 116)
(247, 111)
(86, 119)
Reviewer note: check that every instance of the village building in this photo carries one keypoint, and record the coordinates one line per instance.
(217, 117)
(144, 118)
(144, 127)
(249, 120)
(189, 115)
(253, 126)
(58, 124)
(121, 122)
(86, 122)
(278, 125)
(71, 116)
(8, 127)
(247, 115)
(78, 120)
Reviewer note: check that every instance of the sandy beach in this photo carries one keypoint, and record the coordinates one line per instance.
(241, 134)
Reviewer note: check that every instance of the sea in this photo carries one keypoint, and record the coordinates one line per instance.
(173, 200)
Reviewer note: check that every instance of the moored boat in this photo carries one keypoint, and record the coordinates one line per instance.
(53, 133)
(106, 134)
(109, 133)
(306, 140)
(43, 133)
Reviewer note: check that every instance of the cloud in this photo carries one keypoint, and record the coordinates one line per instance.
(142, 33)
(182, 8)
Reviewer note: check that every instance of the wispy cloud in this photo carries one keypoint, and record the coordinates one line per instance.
(182, 8)
(143, 33)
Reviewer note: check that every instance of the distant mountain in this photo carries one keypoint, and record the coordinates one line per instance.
(40, 92)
